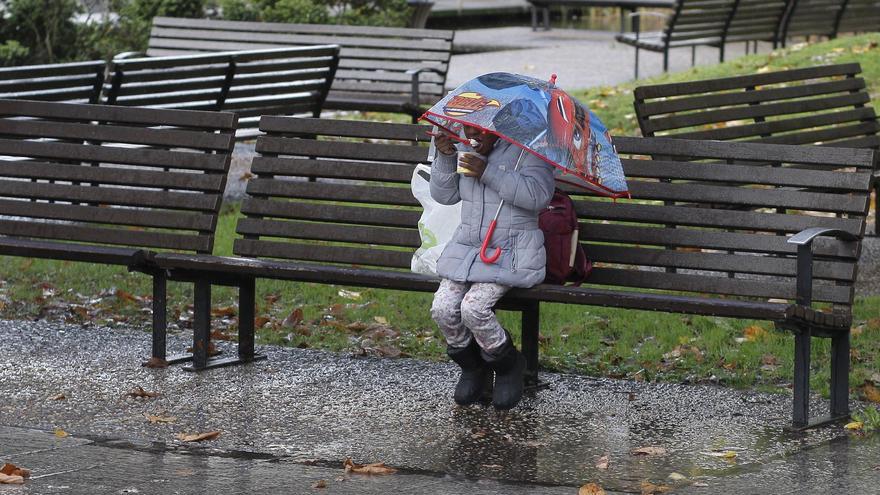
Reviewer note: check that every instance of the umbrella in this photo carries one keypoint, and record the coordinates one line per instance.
(541, 119)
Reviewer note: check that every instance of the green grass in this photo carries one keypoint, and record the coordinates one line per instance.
(637, 345)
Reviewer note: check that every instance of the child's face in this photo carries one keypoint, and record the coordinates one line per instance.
(485, 140)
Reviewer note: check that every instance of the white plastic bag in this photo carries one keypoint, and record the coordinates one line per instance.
(436, 226)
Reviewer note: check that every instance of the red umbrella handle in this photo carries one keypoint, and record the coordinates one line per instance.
(489, 259)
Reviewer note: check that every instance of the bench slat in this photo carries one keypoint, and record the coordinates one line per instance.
(340, 149)
(111, 175)
(104, 215)
(383, 217)
(109, 195)
(332, 192)
(330, 232)
(330, 254)
(346, 128)
(126, 237)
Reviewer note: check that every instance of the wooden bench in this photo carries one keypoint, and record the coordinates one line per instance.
(859, 16)
(78, 82)
(286, 81)
(380, 69)
(813, 18)
(661, 252)
(766, 108)
(629, 6)
(102, 184)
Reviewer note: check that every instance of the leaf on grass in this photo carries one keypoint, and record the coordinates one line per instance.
(198, 437)
(125, 296)
(156, 363)
(11, 480)
(58, 397)
(855, 425)
(754, 333)
(320, 484)
(649, 488)
(260, 321)
(870, 392)
(380, 320)
(649, 451)
(294, 318)
(602, 463)
(591, 489)
(152, 418)
(139, 392)
(225, 311)
(61, 433)
(722, 454)
(677, 477)
(374, 468)
(13, 470)
(349, 294)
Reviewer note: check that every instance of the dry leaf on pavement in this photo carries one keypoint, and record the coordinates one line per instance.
(155, 418)
(320, 484)
(61, 433)
(591, 489)
(139, 392)
(649, 488)
(855, 425)
(156, 363)
(13, 470)
(374, 468)
(726, 454)
(649, 451)
(58, 397)
(677, 476)
(11, 480)
(198, 437)
(602, 463)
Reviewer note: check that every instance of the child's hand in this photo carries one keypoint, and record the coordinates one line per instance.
(474, 164)
(444, 143)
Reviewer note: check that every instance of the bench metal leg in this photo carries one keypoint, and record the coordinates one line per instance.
(637, 63)
(246, 306)
(800, 414)
(546, 12)
(666, 60)
(876, 207)
(201, 323)
(160, 321)
(534, 18)
(693, 55)
(531, 318)
(840, 375)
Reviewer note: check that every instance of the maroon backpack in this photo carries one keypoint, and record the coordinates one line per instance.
(566, 259)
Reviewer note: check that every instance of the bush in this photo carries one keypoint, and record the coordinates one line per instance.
(45, 27)
(13, 53)
(364, 12)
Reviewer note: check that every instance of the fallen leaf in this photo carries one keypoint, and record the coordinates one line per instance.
(246, 176)
(677, 477)
(13, 470)
(380, 320)
(260, 321)
(649, 488)
(649, 451)
(870, 392)
(591, 489)
(700, 484)
(61, 433)
(11, 480)
(58, 397)
(349, 294)
(125, 296)
(159, 419)
(294, 318)
(227, 311)
(156, 363)
(855, 425)
(754, 333)
(769, 360)
(139, 392)
(726, 454)
(272, 298)
(374, 468)
(320, 484)
(198, 437)
(602, 463)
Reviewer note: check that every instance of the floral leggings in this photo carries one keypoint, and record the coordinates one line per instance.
(464, 311)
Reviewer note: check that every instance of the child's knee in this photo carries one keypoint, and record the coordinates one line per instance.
(444, 312)
(475, 313)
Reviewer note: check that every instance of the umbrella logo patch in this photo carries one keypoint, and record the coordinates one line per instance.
(468, 103)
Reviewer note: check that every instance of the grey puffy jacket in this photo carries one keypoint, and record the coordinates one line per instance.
(526, 192)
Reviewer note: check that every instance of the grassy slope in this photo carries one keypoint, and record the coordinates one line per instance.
(599, 341)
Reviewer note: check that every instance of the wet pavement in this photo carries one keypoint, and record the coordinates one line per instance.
(294, 418)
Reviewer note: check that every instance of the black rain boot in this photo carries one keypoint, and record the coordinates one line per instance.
(509, 365)
(474, 373)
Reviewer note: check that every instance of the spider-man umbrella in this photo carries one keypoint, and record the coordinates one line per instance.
(541, 119)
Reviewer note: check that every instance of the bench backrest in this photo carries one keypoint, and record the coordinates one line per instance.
(286, 81)
(373, 60)
(703, 20)
(813, 18)
(78, 82)
(698, 227)
(860, 16)
(766, 107)
(96, 174)
(757, 20)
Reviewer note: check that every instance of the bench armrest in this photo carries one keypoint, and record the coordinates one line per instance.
(804, 242)
(635, 25)
(126, 55)
(414, 74)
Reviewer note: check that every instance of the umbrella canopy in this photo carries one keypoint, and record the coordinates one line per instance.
(543, 120)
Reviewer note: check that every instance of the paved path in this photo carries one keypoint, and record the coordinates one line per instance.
(304, 407)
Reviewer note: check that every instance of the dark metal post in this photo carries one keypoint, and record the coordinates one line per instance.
(246, 307)
(159, 316)
(530, 326)
(201, 322)
(805, 274)
(800, 414)
(840, 375)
